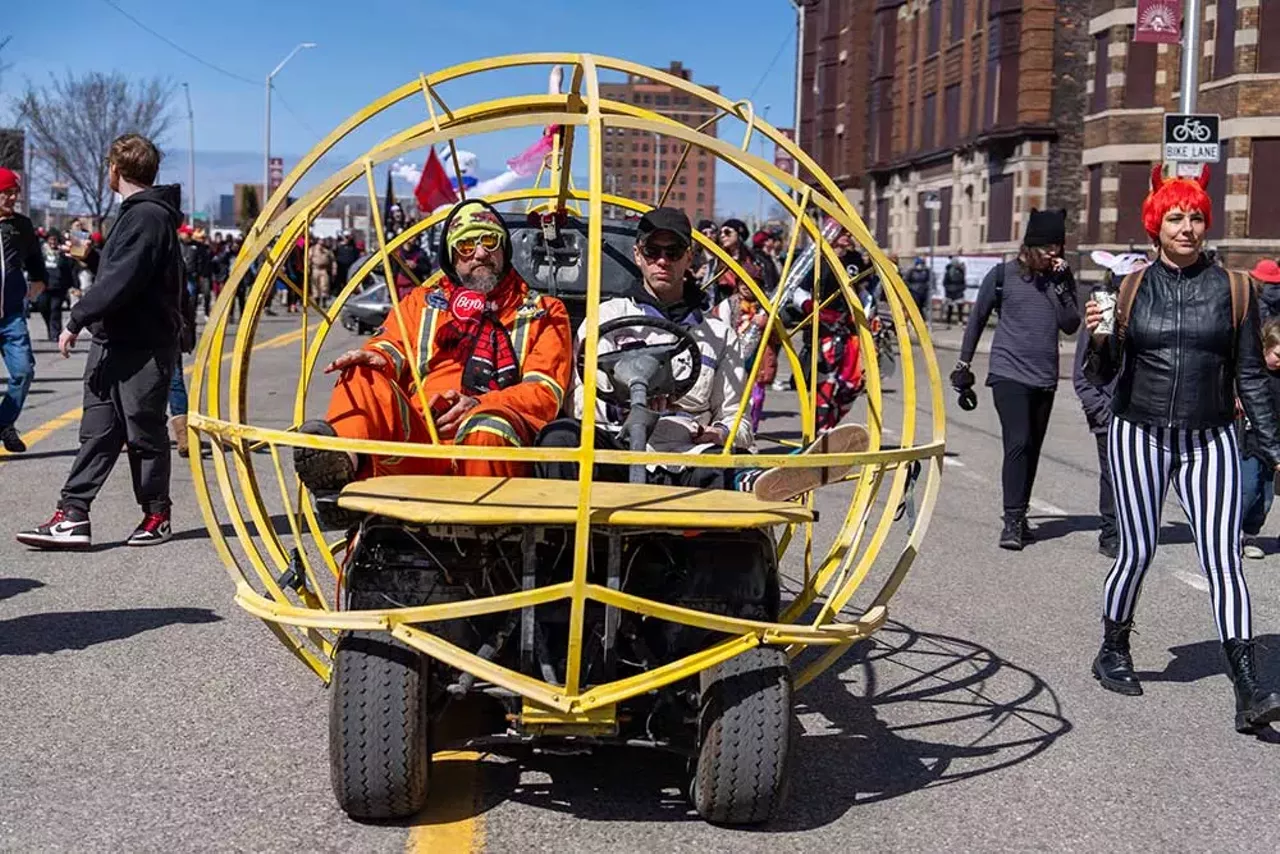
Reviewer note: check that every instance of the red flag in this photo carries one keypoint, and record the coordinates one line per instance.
(434, 187)
(1159, 21)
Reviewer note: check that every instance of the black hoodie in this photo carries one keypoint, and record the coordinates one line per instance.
(135, 299)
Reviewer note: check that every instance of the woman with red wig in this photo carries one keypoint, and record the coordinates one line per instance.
(1185, 345)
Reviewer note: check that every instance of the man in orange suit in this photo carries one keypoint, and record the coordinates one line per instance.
(494, 357)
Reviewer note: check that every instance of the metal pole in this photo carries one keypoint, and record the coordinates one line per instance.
(191, 153)
(933, 241)
(266, 138)
(1190, 56)
(266, 148)
(800, 7)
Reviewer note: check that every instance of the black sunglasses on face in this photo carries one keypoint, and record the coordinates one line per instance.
(654, 251)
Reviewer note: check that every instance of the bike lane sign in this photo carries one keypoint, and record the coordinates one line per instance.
(1191, 138)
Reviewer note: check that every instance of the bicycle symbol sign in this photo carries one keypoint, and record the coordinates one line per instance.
(1191, 138)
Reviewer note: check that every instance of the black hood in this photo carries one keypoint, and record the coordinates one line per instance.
(446, 262)
(168, 196)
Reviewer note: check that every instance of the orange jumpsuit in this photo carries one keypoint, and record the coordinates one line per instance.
(383, 404)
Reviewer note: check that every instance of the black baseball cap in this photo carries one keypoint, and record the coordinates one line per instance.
(673, 220)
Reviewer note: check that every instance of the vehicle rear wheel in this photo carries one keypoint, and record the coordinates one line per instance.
(379, 728)
(744, 738)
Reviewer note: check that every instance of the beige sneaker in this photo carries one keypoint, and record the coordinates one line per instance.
(783, 484)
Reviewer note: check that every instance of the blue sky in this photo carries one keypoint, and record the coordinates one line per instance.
(370, 47)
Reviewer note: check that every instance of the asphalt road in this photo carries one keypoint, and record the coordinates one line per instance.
(146, 712)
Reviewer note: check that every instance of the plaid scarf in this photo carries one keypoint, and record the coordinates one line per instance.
(475, 336)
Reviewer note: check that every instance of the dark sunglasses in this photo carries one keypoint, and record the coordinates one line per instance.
(670, 251)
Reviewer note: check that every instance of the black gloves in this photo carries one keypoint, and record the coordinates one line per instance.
(962, 380)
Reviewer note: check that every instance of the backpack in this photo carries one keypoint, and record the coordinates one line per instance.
(1240, 286)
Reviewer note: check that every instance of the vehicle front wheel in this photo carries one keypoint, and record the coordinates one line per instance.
(744, 738)
(379, 728)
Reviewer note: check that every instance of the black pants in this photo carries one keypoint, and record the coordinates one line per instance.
(125, 395)
(50, 304)
(1024, 417)
(567, 433)
(1107, 532)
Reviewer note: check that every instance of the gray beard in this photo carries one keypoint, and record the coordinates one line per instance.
(482, 280)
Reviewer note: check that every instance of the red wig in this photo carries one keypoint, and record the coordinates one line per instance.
(1182, 193)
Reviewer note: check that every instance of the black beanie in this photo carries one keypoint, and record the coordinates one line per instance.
(738, 226)
(1046, 228)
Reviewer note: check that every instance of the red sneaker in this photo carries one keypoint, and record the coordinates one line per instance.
(60, 532)
(152, 531)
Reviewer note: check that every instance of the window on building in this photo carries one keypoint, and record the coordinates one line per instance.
(882, 221)
(934, 37)
(635, 162)
(1224, 40)
(1135, 182)
(1102, 64)
(922, 221)
(929, 122)
(974, 92)
(644, 147)
(951, 114)
(1000, 209)
(957, 21)
(1264, 189)
(662, 100)
(1094, 211)
(701, 198)
(702, 182)
(886, 39)
(1268, 36)
(1140, 75)
(1218, 193)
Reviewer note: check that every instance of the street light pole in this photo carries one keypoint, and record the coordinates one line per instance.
(191, 154)
(1190, 56)
(266, 136)
(760, 188)
(800, 7)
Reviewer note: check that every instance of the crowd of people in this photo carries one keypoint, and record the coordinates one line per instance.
(1177, 369)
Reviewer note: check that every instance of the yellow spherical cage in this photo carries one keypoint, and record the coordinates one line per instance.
(293, 587)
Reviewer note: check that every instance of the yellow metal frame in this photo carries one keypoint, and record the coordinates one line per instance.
(307, 622)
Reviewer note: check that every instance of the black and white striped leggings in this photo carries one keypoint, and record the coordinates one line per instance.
(1204, 468)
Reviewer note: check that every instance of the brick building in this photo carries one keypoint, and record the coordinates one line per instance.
(635, 162)
(1132, 85)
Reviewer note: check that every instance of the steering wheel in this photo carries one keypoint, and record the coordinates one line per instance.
(647, 364)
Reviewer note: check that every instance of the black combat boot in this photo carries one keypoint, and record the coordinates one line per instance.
(1113, 666)
(1014, 534)
(1255, 706)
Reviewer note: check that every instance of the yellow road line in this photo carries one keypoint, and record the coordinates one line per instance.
(48, 428)
(450, 822)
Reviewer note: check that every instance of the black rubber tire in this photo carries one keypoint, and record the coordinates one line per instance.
(744, 738)
(379, 728)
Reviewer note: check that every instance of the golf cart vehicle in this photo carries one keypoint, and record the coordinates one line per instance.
(586, 612)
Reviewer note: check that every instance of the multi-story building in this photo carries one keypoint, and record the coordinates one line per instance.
(1000, 106)
(978, 105)
(638, 164)
(1131, 85)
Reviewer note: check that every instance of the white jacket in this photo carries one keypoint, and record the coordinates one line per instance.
(714, 398)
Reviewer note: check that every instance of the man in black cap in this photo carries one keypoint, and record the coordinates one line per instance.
(1035, 296)
(701, 420)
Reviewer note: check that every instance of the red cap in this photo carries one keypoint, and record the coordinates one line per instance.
(1267, 271)
(185, 229)
(8, 180)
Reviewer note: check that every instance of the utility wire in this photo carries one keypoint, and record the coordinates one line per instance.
(180, 49)
(787, 39)
(297, 118)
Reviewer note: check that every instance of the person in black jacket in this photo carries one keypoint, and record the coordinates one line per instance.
(1035, 296)
(1256, 476)
(134, 312)
(1184, 347)
(1095, 400)
(22, 275)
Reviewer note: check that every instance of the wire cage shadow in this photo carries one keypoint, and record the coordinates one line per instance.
(289, 574)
